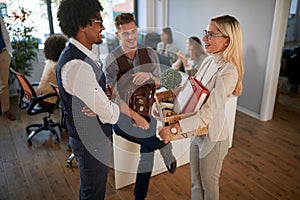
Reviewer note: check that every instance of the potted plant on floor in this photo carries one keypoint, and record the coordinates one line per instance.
(24, 45)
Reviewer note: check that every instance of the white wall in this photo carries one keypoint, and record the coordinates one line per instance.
(256, 18)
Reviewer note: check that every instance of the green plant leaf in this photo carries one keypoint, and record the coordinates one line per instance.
(170, 79)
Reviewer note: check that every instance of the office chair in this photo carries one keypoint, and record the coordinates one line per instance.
(151, 40)
(62, 121)
(69, 160)
(63, 125)
(112, 43)
(34, 105)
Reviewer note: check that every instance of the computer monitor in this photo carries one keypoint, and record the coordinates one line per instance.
(164, 62)
(141, 38)
(151, 39)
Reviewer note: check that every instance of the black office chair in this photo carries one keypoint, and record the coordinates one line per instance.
(34, 105)
(62, 121)
(151, 40)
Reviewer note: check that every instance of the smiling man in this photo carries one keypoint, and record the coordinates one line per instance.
(82, 84)
(129, 68)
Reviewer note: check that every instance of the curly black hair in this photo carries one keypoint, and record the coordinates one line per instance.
(54, 45)
(73, 14)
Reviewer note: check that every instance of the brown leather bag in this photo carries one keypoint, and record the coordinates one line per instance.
(142, 99)
(139, 98)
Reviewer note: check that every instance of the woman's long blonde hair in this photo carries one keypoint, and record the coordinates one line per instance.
(230, 27)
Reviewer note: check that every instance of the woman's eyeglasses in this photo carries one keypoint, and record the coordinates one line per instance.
(209, 35)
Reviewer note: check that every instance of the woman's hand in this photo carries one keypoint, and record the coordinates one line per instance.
(88, 112)
(165, 134)
(181, 56)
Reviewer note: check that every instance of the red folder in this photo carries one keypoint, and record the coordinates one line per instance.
(191, 97)
(198, 98)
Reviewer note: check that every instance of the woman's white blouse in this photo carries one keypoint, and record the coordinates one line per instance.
(212, 113)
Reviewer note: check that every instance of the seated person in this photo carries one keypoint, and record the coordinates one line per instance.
(191, 61)
(52, 50)
(166, 46)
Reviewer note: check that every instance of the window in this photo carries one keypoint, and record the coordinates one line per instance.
(293, 7)
(114, 7)
(39, 14)
(3, 9)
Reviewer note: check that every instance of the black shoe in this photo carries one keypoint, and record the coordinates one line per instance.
(137, 198)
(169, 159)
(172, 167)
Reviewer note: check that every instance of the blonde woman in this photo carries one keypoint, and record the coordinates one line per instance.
(223, 43)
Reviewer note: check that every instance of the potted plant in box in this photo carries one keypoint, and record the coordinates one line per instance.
(170, 80)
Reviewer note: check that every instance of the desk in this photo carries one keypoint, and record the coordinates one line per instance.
(126, 158)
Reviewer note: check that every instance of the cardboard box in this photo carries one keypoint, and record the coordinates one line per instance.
(165, 102)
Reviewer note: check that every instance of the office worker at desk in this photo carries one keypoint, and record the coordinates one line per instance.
(190, 62)
(141, 64)
(53, 47)
(166, 46)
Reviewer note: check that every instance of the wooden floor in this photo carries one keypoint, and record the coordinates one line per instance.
(263, 164)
